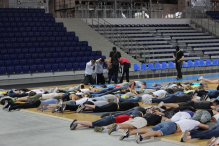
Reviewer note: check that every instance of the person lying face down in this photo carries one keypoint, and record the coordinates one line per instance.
(104, 121)
(164, 128)
(136, 123)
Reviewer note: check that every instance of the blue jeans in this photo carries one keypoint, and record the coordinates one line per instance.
(166, 128)
(50, 101)
(99, 92)
(213, 132)
(104, 121)
(179, 93)
(169, 98)
(213, 94)
(135, 98)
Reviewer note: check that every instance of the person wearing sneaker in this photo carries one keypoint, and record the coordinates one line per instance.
(209, 134)
(201, 79)
(136, 123)
(167, 128)
(195, 105)
(130, 111)
(101, 122)
(122, 106)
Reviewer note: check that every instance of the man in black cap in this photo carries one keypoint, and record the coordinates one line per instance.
(113, 65)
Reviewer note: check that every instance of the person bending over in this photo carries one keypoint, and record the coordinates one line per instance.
(166, 128)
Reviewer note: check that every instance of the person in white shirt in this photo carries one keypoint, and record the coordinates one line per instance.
(166, 128)
(88, 73)
(99, 71)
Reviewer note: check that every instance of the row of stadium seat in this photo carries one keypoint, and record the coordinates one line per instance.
(33, 29)
(46, 50)
(36, 34)
(31, 24)
(21, 10)
(38, 39)
(24, 19)
(43, 44)
(50, 55)
(16, 14)
(47, 61)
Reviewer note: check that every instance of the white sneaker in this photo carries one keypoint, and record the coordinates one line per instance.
(200, 78)
(160, 104)
(55, 90)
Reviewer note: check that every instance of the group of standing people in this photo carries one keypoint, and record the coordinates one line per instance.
(115, 62)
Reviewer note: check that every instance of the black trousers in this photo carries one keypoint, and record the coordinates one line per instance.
(100, 79)
(33, 104)
(178, 68)
(125, 70)
(113, 72)
(88, 79)
(107, 108)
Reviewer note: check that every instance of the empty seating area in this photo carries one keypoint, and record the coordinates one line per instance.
(31, 41)
(213, 14)
(161, 39)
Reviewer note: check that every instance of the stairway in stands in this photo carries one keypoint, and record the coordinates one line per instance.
(96, 41)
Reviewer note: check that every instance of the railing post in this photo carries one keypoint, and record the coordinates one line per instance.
(98, 25)
(92, 22)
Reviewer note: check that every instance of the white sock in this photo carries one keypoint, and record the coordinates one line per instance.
(117, 128)
(105, 127)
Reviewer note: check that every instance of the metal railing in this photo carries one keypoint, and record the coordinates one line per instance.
(141, 12)
(113, 34)
(203, 21)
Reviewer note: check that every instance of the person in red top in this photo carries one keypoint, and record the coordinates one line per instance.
(101, 122)
(124, 64)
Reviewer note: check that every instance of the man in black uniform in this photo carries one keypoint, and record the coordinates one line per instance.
(114, 58)
(178, 56)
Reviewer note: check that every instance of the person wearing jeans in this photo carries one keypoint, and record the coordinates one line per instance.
(165, 128)
(135, 98)
(171, 98)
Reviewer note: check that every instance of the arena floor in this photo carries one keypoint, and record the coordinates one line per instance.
(32, 127)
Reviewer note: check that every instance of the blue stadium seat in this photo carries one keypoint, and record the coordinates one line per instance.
(2, 63)
(58, 49)
(73, 44)
(38, 61)
(84, 43)
(65, 60)
(58, 60)
(2, 70)
(23, 62)
(52, 61)
(27, 56)
(61, 55)
(72, 60)
(69, 66)
(32, 50)
(17, 69)
(33, 69)
(80, 54)
(45, 61)
(10, 70)
(74, 54)
(78, 59)
(89, 48)
(82, 65)
(48, 67)
(40, 68)
(55, 55)
(71, 49)
(77, 49)
(65, 49)
(30, 61)
(68, 54)
(75, 66)
(98, 53)
(48, 55)
(5, 57)
(8, 63)
(26, 69)
(61, 67)
(25, 51)
(55, 67)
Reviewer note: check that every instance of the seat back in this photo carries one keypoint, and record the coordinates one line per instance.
(136, 67)
(143, 66)
(150, 66)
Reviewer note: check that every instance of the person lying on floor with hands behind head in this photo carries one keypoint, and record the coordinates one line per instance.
(178, 56)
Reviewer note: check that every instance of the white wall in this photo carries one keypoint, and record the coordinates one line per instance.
(140, 21)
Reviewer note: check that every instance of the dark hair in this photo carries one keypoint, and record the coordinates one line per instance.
(114, 48)
(102, 59)
(216, 101)
(31, 93)
(144, 83)
(163, 107)
(82, 86)
(134, 116)
(170, 91)
(136, 104)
